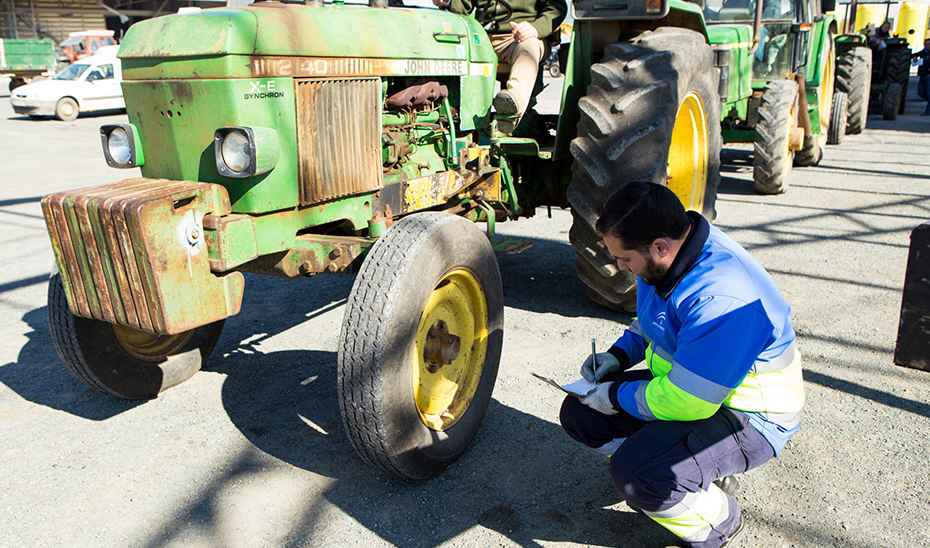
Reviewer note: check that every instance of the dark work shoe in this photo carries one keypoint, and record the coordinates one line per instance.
(734, 534)
(505, 103)
(728, 485)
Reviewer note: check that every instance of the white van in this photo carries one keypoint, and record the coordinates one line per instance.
(89, 84)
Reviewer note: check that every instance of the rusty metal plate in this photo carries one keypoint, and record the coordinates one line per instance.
(133, 253)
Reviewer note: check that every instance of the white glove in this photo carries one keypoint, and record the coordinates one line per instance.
(599, 399)
(606, 363)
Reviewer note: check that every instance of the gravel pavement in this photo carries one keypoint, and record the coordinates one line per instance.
(250, 452)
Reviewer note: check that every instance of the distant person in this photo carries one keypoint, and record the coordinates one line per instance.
(873, 35)
(723, 390)
(884, 31)
(922, 58)
(517, 29)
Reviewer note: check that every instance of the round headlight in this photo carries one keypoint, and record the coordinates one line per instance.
(119, 147)
(235, 150)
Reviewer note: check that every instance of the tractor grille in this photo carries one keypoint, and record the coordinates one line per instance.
(123, 258)
(339, 137)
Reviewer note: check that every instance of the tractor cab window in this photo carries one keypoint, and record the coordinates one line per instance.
(744, 11)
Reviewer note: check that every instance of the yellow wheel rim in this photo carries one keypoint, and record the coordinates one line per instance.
(147, 346)
(792, 126)
(687, 155)
(451, 343)
(826, 91)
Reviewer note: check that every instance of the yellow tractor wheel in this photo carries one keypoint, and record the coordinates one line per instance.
(420, 345)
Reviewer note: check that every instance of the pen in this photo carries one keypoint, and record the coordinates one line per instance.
(594, 357)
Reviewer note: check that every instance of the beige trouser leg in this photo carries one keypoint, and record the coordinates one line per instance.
(523, 58)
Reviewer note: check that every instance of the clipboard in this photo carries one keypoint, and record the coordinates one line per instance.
(561, 388)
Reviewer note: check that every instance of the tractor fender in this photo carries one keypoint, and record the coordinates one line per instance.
(820, 36)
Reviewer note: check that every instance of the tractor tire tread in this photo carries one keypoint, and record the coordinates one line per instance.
(771, 167)
(623, 135)
(854, 77)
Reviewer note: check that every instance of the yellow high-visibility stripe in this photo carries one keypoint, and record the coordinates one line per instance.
(696, 515)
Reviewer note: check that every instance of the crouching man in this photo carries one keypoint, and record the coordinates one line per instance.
(722, 392)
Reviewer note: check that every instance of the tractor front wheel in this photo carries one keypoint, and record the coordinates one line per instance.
(651, 114)
(838, 118)
(773, 153)
(124, 362)
(854, 77)
(420, 345)
(891, 101)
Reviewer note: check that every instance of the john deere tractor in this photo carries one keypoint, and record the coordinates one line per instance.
(777, 63)
(873, 71)
(293, 140)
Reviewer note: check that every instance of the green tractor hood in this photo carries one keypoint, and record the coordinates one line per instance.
(276, 29)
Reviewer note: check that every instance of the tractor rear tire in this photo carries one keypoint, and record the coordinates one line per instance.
(891, 101)
(772, 154)
(838, 118)
(899, 71)
(124, 363)
(420, 345)
(640, 92)
(854, 77)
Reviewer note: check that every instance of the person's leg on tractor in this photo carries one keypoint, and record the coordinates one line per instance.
(524, 59)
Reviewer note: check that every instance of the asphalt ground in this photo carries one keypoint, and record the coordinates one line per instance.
(250, 452)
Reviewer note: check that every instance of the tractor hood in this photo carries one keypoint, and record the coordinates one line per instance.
(277, 29)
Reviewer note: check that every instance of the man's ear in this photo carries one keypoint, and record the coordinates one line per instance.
(661, 247)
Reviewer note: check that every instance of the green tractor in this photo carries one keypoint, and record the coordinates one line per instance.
(777, 64)
(874, 72)
(293, 140)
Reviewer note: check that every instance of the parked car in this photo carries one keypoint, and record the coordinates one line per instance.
(91, 84)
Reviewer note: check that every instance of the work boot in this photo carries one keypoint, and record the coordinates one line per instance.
(507, 111)
(734, 534)
(728, 485)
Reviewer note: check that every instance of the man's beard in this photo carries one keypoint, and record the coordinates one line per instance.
(653, 273)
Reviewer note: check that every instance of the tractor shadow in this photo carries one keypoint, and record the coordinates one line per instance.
(38, 376)
(522, 478)
(542, 279)
(736, 172)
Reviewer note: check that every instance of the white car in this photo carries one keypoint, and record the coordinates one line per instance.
(91, 83)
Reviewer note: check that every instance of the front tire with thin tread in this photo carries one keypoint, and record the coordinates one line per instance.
(838, 118)
(378, 351)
